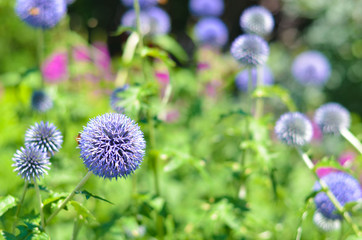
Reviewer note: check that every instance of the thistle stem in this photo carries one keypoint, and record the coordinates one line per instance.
(328, 192)
(70, 196)
(76, 227)
(37, 190)
(40, 50)
(351, 139)
(19, 205)
(259, 101)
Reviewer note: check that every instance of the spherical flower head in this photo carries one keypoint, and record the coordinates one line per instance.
(257, 20)
(112, 145)
(343, 186)
(41, 13)
(332, 117)
(203, 8)
(44, 136)
(159, 20)
(211, 31)
(326, 224)
(311, 68)
(40, 101)
(55, 67)
(116, 100)
(294, 129)
(129, 20)
(143, 3)
(250, 50)
(30, 163)
(242, 79)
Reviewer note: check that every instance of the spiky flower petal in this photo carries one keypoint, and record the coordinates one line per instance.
(294, 129)
(204, 8)
(250, 50)
(324, 223)
(116, 99)
(30, 162)
(332, 117)
(211, 31)
(41, 101)
(112, 145)
(44, 136)
(257, 20)
(242, 79)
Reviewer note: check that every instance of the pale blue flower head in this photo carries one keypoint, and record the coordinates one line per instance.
(143, 3)
(242, 79)
(332, 117)
(40, 101)
(257, 20)
(159, 20)
(211, 31)
(204, 8)
(116, 99)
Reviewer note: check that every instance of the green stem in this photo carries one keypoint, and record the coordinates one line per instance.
(351, 139)
(37, 190)
(40, 50)
(70, 196)
(304, 215)
(76, 228)
(19, 205)
(328, 192)
(259, 101)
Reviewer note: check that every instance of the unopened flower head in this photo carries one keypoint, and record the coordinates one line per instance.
(44, 136)
(30, 163)
(112, 145)
(116, 100)
(332, 117)
(40, 101)
(143, 3)
(294, 129)
(204, 8)
(250, 50)
(159, 20)
(129, 20)
(311, 68)
(257, 20)
(242, 79)
(211, 31)
(41, 13)
(343, 186)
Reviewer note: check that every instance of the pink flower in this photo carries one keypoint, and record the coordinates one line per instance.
(81, 53)
(163, 79)
(346, 158)
(203, 66)
(317, 133)
(212, 87)
(55, 67)
(322, 171)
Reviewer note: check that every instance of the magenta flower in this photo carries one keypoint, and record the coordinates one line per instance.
(81, 53)
(55, 67)
(323, 171)
(203, 66)
(163, 79)
(346, 158)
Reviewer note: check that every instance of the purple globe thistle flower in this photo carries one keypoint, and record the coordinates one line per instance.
(116, 99)
(159, 20)
(332, 117)
(294, 129)
(242, 79)
(129, 20)
(250, 50)
(41, 101)
(257, 20)
(41, 13)
(143, 3)
(44, 136)
(30, 163)
(211, 31)
(112, 145)
(343, 186)
(206, 7)
(311, 68)
(324, 223)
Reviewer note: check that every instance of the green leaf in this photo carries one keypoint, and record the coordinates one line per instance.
(172, 46)
(276, 91)
(55, 198)
(329, 162)
(122, 29)
(6, 203)
(8, 236)
(89, 195)
(158, 53)
(130, 48)
(82, 211)
(233, 112)
(312, 195)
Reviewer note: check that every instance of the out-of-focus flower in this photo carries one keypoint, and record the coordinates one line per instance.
(203, 66)
(31, 163)
(250, 50)
(347, 158)
(211, 88)
(159, 20)
(41, 13)
(40, 101)
(323, 171)
(206, 7)
(211, 31)
(294, 129)
(242, 79)
(257, 20)
(116, 99)
(55, 67)
(112, 145)
(143, 3)
(129, 20)
(44, 136)
(311, 68)
(332, 117)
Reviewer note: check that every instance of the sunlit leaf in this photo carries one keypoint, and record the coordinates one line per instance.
(6, 203)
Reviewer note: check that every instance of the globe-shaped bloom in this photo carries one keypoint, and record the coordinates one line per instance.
(294, 129)
(326, 224)
(211, 31)
(250, 50)
(205, 8)
(311, 68)
(143, 3)
(257, 20)
(116, 99)
(129, 20)
(30, 163)
(332, 117)
(343, 186)
(159, 20)
(242, 79)
(44, 136)
(41, 13)
(112, 145)
(41, 101)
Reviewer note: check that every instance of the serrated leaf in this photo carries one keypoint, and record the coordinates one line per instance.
(275, 91)
(89, 195)
(82, 211)
(158, 53)
(172, 46)
(54, 199)
(6, 203)
(8, 236)
(233, 112)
